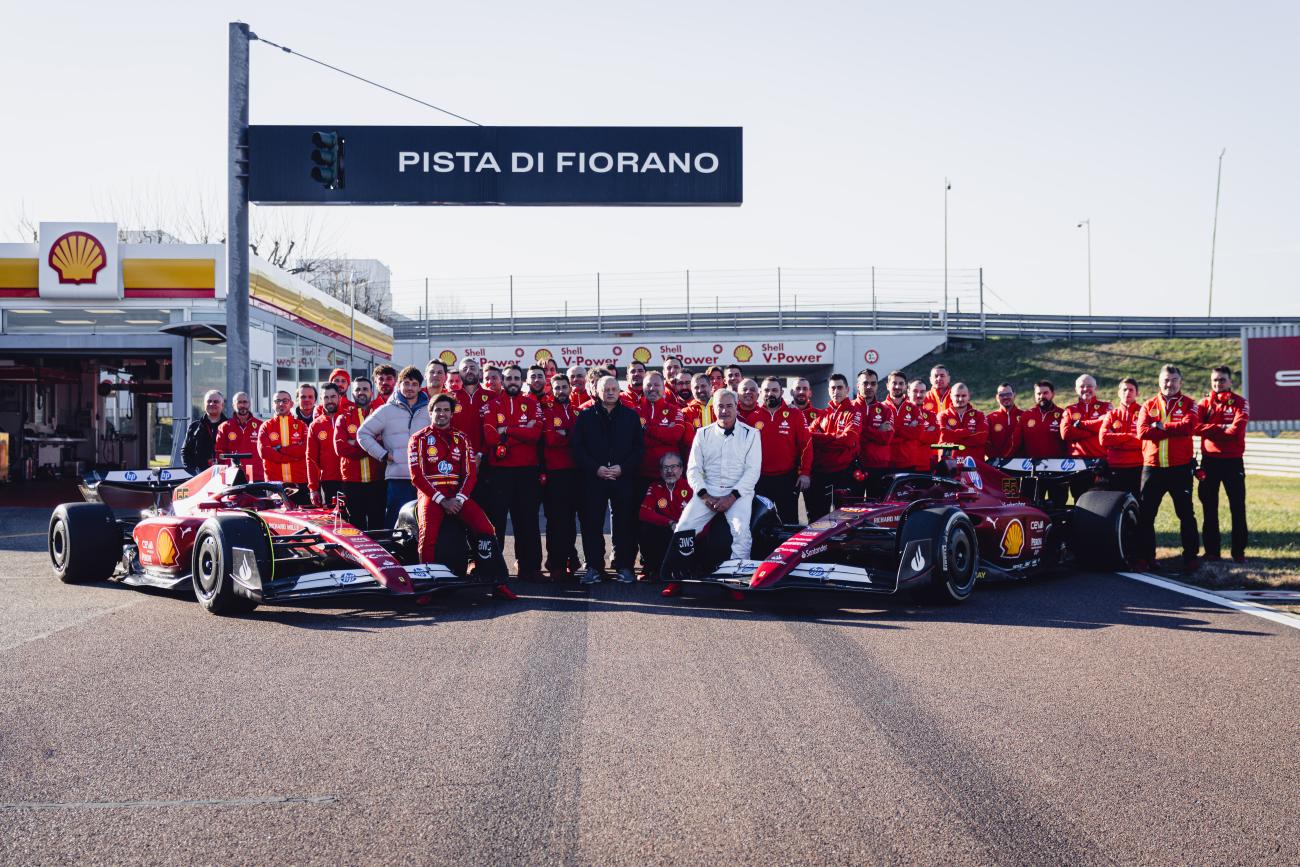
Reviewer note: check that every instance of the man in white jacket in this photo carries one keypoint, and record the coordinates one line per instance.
(725, 463)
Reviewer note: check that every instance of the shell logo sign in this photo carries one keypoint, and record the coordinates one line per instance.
(447, 357)
(79, 260)
(1013, 539)
(542, 356)
(743, 353)
(642, 354)
(166, 549)
(77, 257)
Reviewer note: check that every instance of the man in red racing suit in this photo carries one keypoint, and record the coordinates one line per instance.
(443, 471)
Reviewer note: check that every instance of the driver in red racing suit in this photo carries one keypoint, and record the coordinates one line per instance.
(444, 471)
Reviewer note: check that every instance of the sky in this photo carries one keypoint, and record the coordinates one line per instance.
(854, 113)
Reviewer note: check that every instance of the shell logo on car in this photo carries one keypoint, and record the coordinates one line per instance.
(77, 257)
(743, 353)
(1013, 539)
(166, 549)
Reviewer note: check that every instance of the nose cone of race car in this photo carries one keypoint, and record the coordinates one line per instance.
(765, 575)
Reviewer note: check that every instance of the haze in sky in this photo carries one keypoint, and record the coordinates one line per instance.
(853, 114)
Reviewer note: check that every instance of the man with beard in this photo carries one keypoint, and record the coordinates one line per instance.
(661, 508)
(607, 447)
(470, 400)
(364, 490)
(682, 388)
(909, 423)
(512, 429)
(666, 429)
(1081, 430)
(635, 383)
(787, 452)
(1002, 423)
(733, 375)
(305, 407)
(961, 423)
(342, 381)
(537, 385)
(201, 443)
(443, 473)
(238, 435)
(324, 471)
(1166, 423)
(1223, 446)
(802, 393)
(938, 398)
(877, 430)
(282, 446)
(1119, 438)
(561, 494)
(385, 380)
(836, 439)
(672, 367)
(747, 401)
(1038, 436)
(927, 430)
(699, 411)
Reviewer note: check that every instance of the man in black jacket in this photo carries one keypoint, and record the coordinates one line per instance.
(200, 448)
(607, 447)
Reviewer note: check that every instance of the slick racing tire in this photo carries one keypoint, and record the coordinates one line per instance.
(85, 542)
(408, 552)
(1103, 529)
(956, 554)
(214, 561)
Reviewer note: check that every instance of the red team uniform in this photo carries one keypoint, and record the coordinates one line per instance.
(323, 464)
(968, 428)
(1002, 431)
(1084, 441)
(236, 438)
(1038, 434)
(282, 445)
(442, 466)
(666, 431)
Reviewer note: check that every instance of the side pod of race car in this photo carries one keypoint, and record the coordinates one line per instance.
(241, 544)
(934, 534)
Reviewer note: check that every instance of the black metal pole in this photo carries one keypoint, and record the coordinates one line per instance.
(237, 362)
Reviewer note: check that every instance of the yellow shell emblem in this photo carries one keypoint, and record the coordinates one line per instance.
(743, 353)
(641, 354)
(166, 548)
(542, 356)
(1013, 539)
(77, 257)
(447, 357)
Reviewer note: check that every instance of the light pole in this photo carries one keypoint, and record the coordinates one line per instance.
(1214, 233)
(1087, 223)
(946, 187)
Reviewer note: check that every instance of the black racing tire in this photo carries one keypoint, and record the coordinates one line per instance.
(85, 542)
(214, 584)
(1103, 529)
(955, 548)
(408, 519)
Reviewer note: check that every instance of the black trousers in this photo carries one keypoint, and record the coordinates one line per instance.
(328, 489)
(561, 499)
(623, 498)
(1177, 483)
(818, 496)
(779, 488)
(366, 503)
(302, 496)
(1230, 473)
(653, 541)
(1125, 479)
(516, 492)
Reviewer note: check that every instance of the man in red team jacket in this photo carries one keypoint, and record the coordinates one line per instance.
(1081, 430)
(471, 397)
(562, 493)
(787, 452)
(443, 472)
(1165, 426)
(666, 429)
(364, 488)
(1224, 415)
(877, 430)
(908, 421)
(660, 510)
(324, 470)
(1119, 438)
(238, 435)
(512, 429)
(927, 429)
(801, 399)
(963, 424)
(836, 439)
(1002, 423)
(939, 397)
(1038, 436)
(282, 446)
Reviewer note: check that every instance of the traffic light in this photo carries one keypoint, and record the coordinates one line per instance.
(328, 157)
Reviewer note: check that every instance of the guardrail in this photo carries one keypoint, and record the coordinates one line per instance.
(1266, 456)
(970, 325)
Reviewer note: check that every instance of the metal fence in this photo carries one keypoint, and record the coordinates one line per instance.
(974, 325)
(1270, 457)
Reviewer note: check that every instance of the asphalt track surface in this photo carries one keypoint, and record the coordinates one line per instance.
(1072, 720)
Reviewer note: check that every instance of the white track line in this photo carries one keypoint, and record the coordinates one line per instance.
(1244, 607)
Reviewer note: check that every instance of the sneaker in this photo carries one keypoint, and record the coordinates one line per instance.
(625, 576)
(592, 576)
(674, 588)
(501, 591)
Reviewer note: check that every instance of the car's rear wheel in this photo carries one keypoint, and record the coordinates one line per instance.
(85, 542)
(408, 520)
(1103, 529)
(214, 561)
(955, 549)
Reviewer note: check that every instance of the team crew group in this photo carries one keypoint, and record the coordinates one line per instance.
(487, 444)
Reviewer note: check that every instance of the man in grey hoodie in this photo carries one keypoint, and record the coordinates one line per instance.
(387, 431)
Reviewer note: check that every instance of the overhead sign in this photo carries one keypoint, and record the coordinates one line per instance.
(1272, 367)
(78, 260)
(695, 355)
(486, 165)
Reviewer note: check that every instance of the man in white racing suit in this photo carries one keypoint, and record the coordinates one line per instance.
(725, 463)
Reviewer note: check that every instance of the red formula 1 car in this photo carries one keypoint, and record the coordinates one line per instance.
(240, 544)
(935, 533)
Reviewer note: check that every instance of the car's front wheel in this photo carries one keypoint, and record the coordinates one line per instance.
(221, 542)
(955, 549)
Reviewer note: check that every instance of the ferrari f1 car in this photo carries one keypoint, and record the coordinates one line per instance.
(241, 544)
(934, 534)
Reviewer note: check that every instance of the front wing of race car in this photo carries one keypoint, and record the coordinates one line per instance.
(738, 575)
(424, 578)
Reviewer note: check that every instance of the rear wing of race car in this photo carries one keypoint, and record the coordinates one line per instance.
(127, 492)
(1030, 479)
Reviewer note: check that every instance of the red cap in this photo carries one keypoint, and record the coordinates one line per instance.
(338, 371)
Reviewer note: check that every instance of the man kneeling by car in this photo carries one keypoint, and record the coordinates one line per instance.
(443, 472)
(724, 466)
